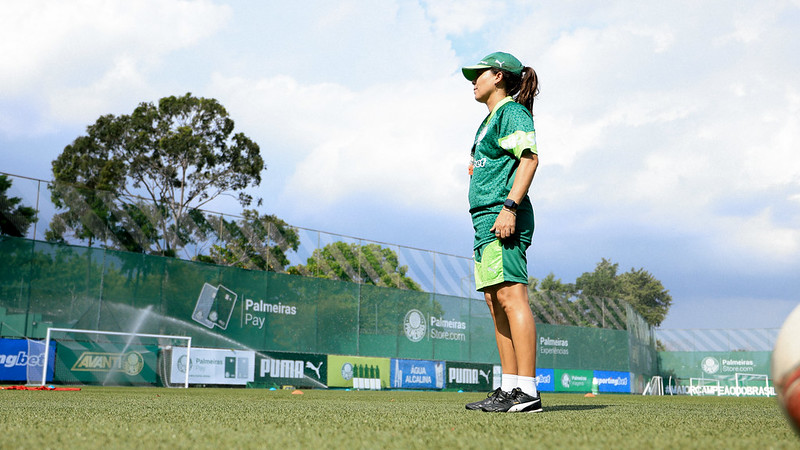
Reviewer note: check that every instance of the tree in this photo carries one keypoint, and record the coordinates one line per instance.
(646, 295)
(254, 242)
(638, 287)
(88, 175)
(553, 301)
(366, 264)
(15, 219)
(551, 284)
(179, 155)
(602, 282)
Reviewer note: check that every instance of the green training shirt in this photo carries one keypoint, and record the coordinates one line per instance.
(499, 143)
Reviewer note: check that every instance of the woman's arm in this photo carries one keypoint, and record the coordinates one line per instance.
(505, 224)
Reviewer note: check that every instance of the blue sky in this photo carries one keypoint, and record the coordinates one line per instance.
(667, 130)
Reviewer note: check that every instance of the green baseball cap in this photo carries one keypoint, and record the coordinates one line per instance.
(498, 60)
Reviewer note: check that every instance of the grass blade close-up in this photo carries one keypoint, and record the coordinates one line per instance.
(119, 417)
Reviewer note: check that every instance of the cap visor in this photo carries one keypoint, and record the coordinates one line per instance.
(472, 72)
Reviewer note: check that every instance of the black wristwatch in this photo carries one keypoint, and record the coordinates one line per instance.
(510, 204)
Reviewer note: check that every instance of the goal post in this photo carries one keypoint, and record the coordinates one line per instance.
(117, 352)
(655, 386)
(701, 382)
(704, 386)
(751, 379)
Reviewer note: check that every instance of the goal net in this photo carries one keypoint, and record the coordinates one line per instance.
(703, 386)
(751, 379)
(655, 386)
(110, 358)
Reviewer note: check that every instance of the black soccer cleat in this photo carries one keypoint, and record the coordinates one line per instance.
(523, 402)
(515, 401)
(499, 403)
(474, 406)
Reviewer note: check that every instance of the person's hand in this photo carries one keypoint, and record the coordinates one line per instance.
(505, 224)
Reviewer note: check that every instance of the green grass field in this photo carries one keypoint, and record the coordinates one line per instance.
(104, 417)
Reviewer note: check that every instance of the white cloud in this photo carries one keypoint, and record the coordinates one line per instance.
(347, 42)
(632, 132)
(281, 109)
(79, 59)
(751, 22)
(457, 17)
(631, 124)
(84, 103)
(656, 120)
(405, 142)
(663, 37)
(561, 140)
(397, 151)
(385, 114)
(760, 236)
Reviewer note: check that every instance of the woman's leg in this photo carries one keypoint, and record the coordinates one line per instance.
(502, 332)
(515, 329)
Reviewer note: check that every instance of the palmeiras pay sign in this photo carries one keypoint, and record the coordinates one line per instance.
(212, 366)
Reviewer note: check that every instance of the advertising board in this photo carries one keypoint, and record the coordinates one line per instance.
(290, 369)
(213, 366)
(21, 360)
(417, 374)
(93, 363)
(468, 376)
(573, 380)
(611, 381)
(342, 369)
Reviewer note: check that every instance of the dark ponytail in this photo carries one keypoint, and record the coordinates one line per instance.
(528, 88)
(522, 88)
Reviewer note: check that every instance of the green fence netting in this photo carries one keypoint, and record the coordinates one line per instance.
(46, 284)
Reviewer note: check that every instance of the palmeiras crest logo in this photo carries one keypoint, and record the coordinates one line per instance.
(710, 365)
(132, 363)
(182, 364)
(414, 325)
(347, 371)
(565, 380)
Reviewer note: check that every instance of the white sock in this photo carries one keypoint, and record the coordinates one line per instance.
(508, 382)
(527, 385)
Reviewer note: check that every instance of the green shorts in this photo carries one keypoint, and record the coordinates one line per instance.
(498, 262)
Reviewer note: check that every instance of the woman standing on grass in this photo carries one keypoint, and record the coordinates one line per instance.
(504, 161)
